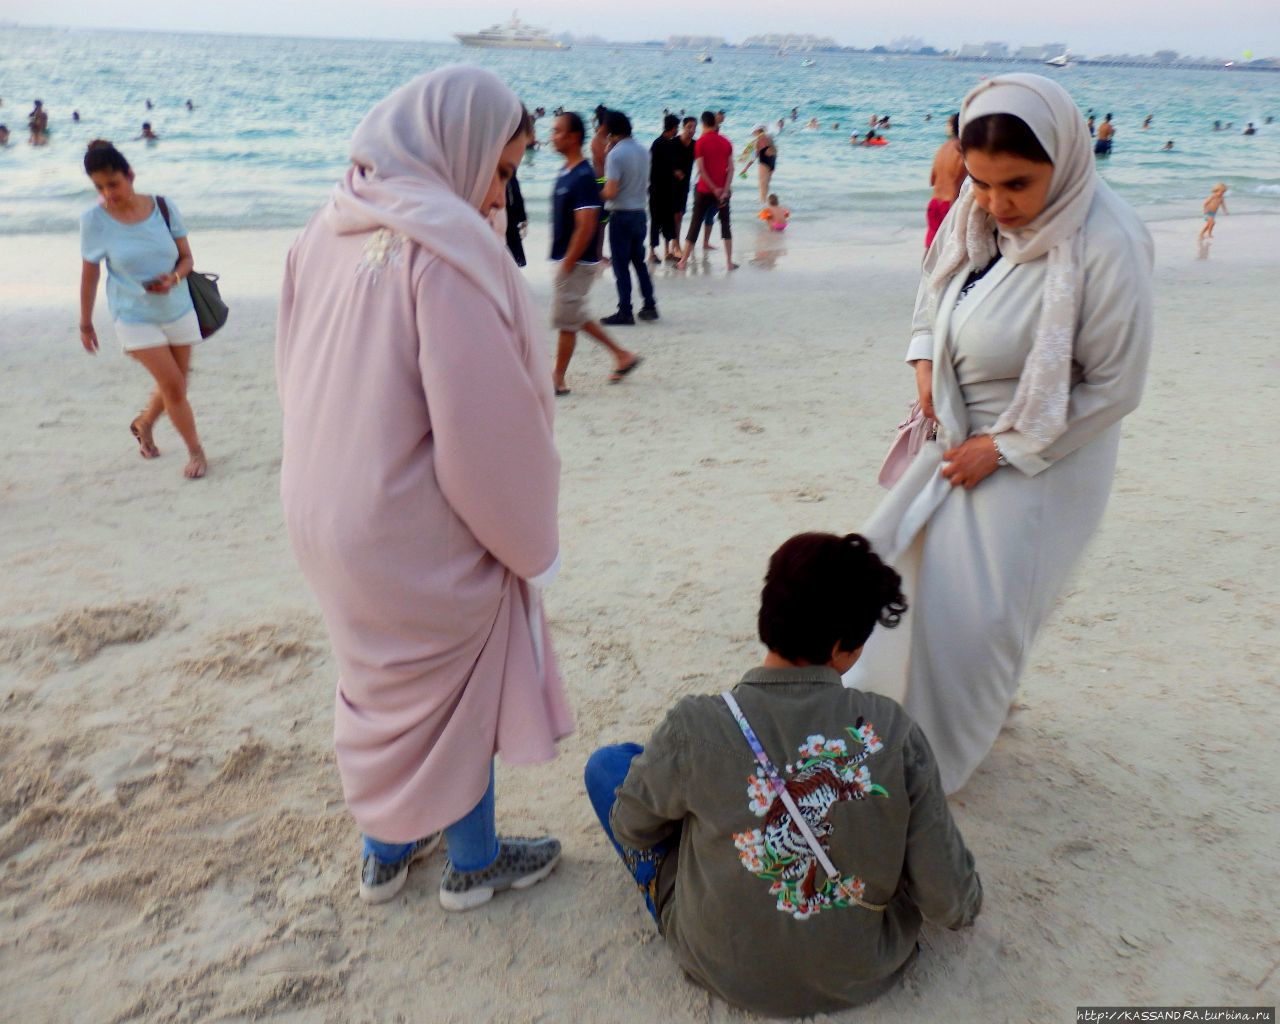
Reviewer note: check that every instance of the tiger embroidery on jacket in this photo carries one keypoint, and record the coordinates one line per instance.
(824, 774)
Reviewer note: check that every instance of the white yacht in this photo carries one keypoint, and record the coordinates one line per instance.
(703, 58)
(1063, 60)
(514, 35)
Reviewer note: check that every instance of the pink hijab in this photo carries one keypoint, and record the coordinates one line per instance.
(422, 161)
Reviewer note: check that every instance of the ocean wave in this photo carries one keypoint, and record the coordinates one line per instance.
(1267, 190)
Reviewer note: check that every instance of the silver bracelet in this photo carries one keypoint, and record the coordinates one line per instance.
(1000, 459)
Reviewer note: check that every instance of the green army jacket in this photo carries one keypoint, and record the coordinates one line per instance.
(743, 902)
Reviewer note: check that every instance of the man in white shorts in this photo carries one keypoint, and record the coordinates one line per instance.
(575, 238)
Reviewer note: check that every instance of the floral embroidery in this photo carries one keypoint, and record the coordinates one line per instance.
(759, 796)
(382, 250)
(824, 774)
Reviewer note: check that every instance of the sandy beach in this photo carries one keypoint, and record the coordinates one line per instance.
(173, 840)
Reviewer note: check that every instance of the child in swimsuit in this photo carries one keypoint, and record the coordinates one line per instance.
(1215, 202)
(776, 214)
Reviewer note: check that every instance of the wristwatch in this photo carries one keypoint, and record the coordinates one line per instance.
(1000, 459)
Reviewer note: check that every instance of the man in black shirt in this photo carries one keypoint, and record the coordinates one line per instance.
(683, 171)
(663, 188)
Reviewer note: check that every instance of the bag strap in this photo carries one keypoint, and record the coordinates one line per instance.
(164, 212)
(779, 787)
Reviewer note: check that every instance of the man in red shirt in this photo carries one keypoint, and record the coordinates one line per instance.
(713, 154)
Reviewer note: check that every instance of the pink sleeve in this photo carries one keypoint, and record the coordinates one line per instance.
(495, 454)
(284, 318)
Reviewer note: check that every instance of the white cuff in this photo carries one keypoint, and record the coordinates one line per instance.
(548, 575)
(921, 347)
(1018, 453)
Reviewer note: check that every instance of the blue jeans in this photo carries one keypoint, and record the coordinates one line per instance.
(473, 841)
(605, 772)
(626, 243)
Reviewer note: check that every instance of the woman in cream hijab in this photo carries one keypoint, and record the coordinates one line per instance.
(1030, 343)
(420, 481)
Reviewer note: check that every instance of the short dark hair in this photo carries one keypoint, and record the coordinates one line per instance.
(689, 120)
(823, 592)
(102, 156)
(573, 121)
(1003, 133)
(618, 123)
(708, 118)
(954, 122)
(601, 112)
(671, 121)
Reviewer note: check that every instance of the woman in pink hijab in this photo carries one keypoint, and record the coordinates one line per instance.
(420, 480)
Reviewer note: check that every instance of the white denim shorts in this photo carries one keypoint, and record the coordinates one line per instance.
(183, 331)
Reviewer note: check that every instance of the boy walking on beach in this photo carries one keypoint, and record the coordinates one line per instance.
(789, 836)
(575, 244)
(713, 154)
(1215, 202)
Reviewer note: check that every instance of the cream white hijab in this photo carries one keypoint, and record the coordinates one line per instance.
(1039, 406)
(422, 160)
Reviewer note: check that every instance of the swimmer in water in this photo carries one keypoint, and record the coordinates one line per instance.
(147, 133)
(1167, 146)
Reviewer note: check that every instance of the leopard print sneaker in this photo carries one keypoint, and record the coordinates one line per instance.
(379, 881)
(521, 862)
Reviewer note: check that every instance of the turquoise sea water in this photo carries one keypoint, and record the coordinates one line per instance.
(273, 115)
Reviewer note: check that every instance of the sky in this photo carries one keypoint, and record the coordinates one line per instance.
(1090, 27)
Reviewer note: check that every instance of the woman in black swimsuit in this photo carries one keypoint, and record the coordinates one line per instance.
(767, 154)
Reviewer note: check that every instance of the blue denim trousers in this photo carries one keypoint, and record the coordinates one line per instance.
(473, 840)
(626, 245)
(605, 772)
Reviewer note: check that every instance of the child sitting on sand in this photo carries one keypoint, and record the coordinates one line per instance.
(1212, 205)
(776, 214)
(788, 836)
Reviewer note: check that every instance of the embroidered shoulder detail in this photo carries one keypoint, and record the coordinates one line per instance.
(824, 774)
(385, 248)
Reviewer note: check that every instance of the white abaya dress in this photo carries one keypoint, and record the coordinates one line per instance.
(982, 568)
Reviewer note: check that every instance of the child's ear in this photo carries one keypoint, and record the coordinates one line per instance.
(842, 661)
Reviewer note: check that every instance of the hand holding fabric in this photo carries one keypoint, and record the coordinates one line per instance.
(968, 464)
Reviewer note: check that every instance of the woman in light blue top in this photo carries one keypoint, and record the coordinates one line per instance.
(147, 262)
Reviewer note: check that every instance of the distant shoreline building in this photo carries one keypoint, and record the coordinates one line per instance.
(788, 41)
(696, 43)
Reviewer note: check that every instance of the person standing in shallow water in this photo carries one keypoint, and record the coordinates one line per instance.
(147, 265)
(420, 481)
(713, 154)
